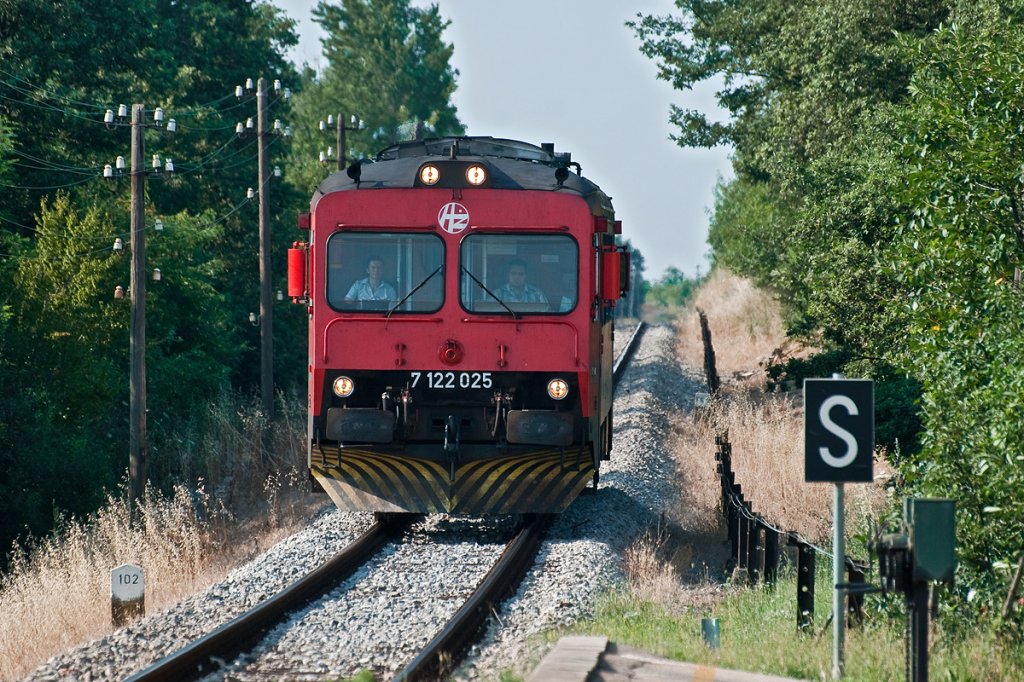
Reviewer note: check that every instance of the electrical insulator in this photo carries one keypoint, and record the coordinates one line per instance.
(280, 295)
(108, 172)
(156, 162)
(108, 117)
(277, 86)
(354, 119)
(287, 93)
(158, 115)
(118, 292)
(118, 246)
(323, 158)
(159, 225)
(122, 110)
(239, 128)
(330, 119)
(253, 319)
(277, 171)
(172, 126)
(248, 123)
(119, 163)
(169, 165)
(323, 126)
(156, 275)
(330, 152)
(250, 193)
(277, 124)
(238, 91)
(248, 84)
(287, 131)
(362, 124)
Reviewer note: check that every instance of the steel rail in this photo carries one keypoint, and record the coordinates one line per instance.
(443, 652)
(205, 655)
(627, 353)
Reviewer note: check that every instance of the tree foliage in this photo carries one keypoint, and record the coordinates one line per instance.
(63, 337)
(879, 191)
(388, 65)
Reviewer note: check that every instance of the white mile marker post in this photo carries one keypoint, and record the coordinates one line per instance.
(127, 593)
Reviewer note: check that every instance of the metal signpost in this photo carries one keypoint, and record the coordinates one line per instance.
(839, 439)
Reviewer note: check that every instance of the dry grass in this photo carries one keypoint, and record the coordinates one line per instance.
(56, 593)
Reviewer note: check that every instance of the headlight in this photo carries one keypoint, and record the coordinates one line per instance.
(429, 174)
(343, 387)
(476, 174)
(558, 388)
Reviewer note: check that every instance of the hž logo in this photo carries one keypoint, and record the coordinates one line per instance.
(453, 217)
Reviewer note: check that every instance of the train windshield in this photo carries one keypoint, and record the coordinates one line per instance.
(390, 272)
(504, 273)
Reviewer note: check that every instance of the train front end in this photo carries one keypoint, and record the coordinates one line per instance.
(460, 295)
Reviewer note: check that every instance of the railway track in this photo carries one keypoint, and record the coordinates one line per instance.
(208, 654)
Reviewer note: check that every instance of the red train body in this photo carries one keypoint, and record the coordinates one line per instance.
(460, 297)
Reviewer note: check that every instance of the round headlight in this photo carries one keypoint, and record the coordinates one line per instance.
(343, 387)
(476, 174)
(429, 174)
(558, 388)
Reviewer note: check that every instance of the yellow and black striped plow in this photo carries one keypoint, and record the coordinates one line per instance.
(544, 481)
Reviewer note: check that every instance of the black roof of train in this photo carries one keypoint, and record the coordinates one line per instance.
(514, 165)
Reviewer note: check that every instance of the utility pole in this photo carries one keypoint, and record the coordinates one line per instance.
(137, 444)
(340, 130)
(137, 383)
(266, 305)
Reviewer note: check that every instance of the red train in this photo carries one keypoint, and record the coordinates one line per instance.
(461, 295)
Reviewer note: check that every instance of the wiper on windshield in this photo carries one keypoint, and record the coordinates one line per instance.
(491, 293)
(414, 290)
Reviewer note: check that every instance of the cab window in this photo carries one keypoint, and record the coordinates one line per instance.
(503, 273)
(384, 271)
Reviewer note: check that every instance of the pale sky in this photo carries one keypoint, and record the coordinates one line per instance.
(570, 72)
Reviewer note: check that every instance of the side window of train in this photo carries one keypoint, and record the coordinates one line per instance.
(535, 273)
(385, 271)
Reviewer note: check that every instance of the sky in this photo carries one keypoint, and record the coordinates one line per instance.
(570, 72)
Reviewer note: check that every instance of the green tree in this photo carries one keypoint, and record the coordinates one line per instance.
(957, 254)
(388, 64)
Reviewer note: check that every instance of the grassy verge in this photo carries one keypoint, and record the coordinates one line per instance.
(56, 591)
(758, 633)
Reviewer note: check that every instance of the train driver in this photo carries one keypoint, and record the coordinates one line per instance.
(372, 287)
(516, 289)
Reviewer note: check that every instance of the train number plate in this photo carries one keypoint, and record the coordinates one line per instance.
(450, 380)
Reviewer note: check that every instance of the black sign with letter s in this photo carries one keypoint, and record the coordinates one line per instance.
(839, 430)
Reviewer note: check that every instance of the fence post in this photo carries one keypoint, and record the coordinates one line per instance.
(755, 557)
(855, 606)
(804, 583)
(771, 556)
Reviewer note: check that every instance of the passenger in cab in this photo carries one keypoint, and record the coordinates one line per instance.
(372, 287)
(516, 289)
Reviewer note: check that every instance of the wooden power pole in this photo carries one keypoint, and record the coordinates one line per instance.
(137, 383)
(266, 304)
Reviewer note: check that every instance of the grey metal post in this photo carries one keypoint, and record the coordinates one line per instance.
(266, 304)
(838, 602)
(137, 382)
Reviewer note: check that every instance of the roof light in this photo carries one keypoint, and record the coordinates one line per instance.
(343, 387)
(558, 389)
(429, 174)
(476, 175)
